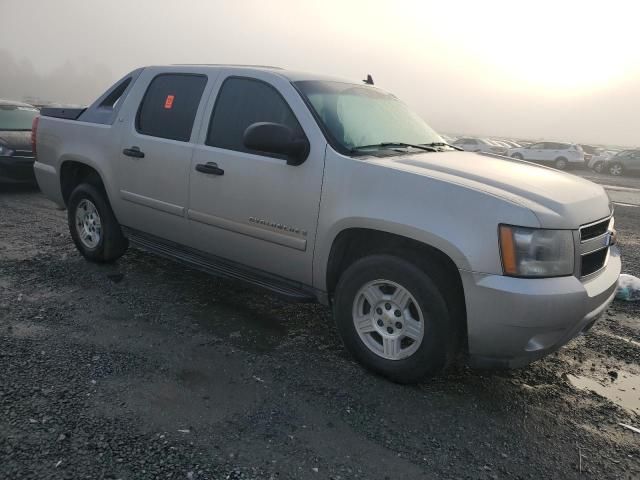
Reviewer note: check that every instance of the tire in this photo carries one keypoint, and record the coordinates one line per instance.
(561, 163)
(93, 226)
(415, 359)
(518, 156)
(598, 167)
(616, 169)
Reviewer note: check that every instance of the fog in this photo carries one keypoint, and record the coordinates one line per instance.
(495, 70)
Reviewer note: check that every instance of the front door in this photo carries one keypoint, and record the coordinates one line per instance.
(252, 207)
(156, 154)
(633, 163)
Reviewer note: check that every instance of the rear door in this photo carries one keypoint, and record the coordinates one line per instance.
(534, 152)
(553, 150)
(156, 151)
(257, 210)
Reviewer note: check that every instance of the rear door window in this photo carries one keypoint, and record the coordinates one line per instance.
(169, 106)
(241, 103)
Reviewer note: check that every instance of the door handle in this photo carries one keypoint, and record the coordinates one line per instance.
(210, 168)
(133, 152)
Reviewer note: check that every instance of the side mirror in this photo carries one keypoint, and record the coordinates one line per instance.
(276, 138)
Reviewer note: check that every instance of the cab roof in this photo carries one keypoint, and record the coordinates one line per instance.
(291, 75)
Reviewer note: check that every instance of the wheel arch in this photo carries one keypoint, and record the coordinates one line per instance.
(351, 244)
(74, 171)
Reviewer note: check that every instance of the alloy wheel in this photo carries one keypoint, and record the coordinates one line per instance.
(88, 224)
(615, 169)
(388, 319)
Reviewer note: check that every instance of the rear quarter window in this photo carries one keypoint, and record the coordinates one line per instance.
(169, 106)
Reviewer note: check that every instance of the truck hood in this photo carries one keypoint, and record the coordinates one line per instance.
(16, 140)
(558, 199)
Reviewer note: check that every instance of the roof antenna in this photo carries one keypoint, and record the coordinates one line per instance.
(369, 80)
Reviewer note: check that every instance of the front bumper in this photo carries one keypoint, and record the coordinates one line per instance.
(513, 321)
(17, 170)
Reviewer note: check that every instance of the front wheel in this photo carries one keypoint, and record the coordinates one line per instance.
(517, 155)
(598, 167)
(393, 319)
(93, 226)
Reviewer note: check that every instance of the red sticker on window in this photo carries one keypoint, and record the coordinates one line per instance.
(168, 103)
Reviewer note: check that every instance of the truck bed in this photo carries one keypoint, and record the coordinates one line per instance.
(66, 113)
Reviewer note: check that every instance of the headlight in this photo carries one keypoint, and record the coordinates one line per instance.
(534, 252)
(5, 151)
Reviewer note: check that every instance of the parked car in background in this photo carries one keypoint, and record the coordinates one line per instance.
(512, 144)
(600, 160)
(627, 161)
(471, 144)
(589, 152)
(560, 155)
(448, 138)
(16, 153)
(501, 143)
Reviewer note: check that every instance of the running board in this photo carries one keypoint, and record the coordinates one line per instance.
(219, 267)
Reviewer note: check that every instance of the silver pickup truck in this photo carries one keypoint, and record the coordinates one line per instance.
(323, 189)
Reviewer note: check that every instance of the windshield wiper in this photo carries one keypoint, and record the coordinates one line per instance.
(427, 148)
(442, 144)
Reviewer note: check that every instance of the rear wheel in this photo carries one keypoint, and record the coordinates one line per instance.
(616, 169)
(393, 319)
(561, 163)
(93, 226)
(518, 156)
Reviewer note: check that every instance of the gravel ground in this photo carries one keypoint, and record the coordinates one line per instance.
(628, 181)
(145, 369)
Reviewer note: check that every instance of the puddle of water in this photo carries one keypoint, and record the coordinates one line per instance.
(624, 391)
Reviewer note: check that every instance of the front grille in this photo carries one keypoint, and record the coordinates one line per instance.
(594, 246)
(594, 230)
(592, 262)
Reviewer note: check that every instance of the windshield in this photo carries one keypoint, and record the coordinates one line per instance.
(16, 118)
(355, 116)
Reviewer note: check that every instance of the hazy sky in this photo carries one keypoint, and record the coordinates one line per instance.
(562, 69)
